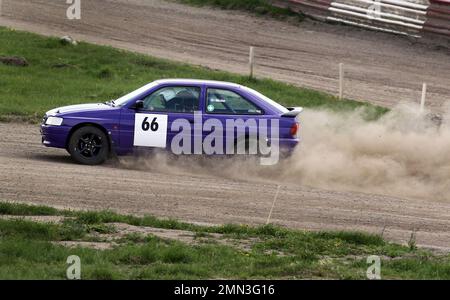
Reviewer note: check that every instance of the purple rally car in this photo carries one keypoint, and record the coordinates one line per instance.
(186, 116)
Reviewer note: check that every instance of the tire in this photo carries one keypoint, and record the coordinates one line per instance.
(89, 145)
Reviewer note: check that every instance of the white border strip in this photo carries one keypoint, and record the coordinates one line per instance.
(411, 10)
(406, 4)
(371, 27)
(388, 15)
(365, 16)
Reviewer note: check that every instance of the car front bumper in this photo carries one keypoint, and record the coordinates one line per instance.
(54, 136)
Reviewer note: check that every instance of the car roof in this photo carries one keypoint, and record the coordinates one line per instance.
(198, 81)
(224, 84)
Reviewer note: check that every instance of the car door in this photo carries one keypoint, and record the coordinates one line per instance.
(225, 104)
(163, 108)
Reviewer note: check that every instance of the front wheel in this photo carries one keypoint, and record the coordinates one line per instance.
(89, 146)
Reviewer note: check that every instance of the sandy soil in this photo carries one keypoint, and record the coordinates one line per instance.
(31, 173)
(381, 68)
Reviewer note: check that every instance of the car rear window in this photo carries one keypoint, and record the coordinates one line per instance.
(271, 102)
(221, 101)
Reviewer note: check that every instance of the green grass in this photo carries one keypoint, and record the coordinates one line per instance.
(259, 7)
(19, 209)
(27, 251)
(61, 74)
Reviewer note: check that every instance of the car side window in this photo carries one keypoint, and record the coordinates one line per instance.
(222, 101)
(173, 99)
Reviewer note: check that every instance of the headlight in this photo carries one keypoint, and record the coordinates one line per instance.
(55, 121)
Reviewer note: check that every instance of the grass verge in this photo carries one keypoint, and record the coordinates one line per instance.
(28, 251)
(61, 74)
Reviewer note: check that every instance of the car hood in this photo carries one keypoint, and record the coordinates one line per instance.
(78, 108)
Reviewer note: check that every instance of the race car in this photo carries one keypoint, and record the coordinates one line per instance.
(182, 115)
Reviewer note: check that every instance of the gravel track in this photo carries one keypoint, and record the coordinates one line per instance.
(381, 68)
(31, 173)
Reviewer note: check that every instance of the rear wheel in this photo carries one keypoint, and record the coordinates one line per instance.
(89, 146)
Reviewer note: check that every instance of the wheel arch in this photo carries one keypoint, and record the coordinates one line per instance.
(85, 124)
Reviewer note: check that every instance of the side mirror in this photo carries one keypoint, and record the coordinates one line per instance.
(139, 104)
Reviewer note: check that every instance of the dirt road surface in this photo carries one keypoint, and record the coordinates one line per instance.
(31, 173)
(381, 68)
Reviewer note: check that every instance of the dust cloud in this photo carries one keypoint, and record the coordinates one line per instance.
(404, 153)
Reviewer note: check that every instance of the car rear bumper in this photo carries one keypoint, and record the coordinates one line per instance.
(54, 136)
(287, 146)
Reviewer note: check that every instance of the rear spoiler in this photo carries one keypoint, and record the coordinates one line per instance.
(293, 112)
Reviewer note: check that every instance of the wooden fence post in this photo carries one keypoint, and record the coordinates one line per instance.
(341, 81)
(251, 61)
(423, 99)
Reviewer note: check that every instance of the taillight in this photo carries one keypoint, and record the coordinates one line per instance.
(294, 129)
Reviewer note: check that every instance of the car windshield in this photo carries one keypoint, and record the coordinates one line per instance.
(124, 99)
(278, 106)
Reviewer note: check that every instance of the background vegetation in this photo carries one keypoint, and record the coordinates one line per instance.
(61, 74)
(29, 250)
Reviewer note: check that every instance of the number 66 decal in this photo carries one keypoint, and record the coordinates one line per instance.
(150, 130)
(153, 126)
